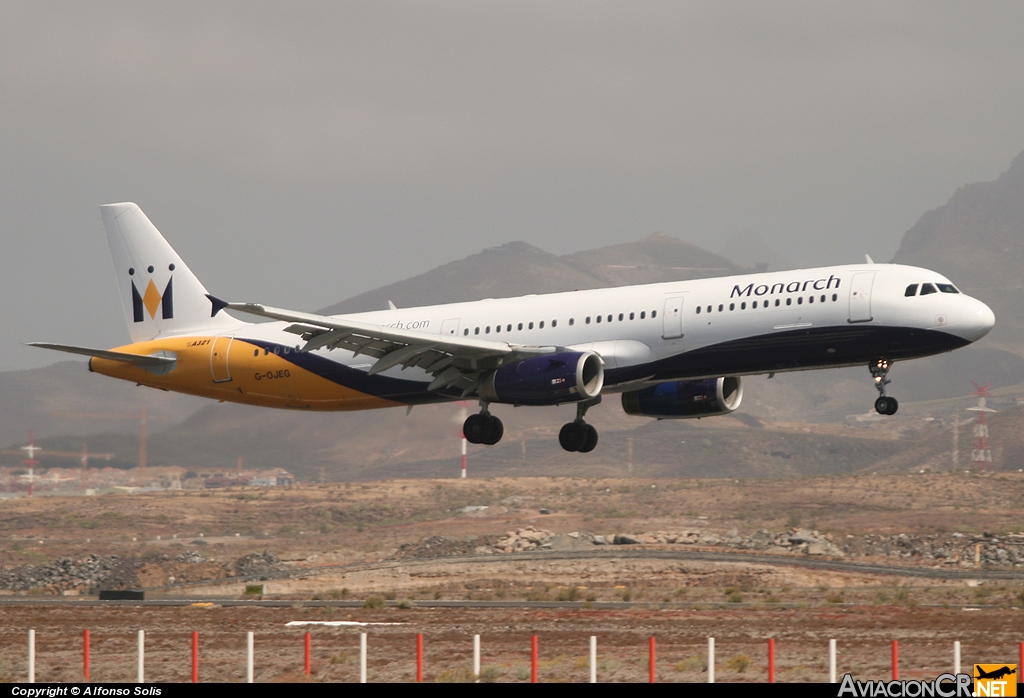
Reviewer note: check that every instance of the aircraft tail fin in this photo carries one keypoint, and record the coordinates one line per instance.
(159, 293)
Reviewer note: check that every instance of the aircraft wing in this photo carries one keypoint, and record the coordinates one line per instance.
(451, 359)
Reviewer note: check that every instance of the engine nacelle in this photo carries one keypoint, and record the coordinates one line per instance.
(685, 399)
(546, 380)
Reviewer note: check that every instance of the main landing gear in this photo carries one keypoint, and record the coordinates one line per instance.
(884, 404)
(578, 435)
(483, 428)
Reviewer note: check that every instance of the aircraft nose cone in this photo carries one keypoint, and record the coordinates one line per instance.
(977, 320)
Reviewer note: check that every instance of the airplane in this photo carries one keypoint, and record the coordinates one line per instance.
(672, 350)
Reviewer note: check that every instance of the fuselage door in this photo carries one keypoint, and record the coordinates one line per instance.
(860, 296)
(219, 359)
(450, 327)
(672, 318)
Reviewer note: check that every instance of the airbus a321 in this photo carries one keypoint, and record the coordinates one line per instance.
(673, 350)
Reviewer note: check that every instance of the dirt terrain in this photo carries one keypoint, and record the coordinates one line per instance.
(416, 542)
(863, 633)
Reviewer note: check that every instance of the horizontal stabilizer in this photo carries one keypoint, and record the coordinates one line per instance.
(148, 362)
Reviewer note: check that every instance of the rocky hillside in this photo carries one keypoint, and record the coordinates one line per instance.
(977, 240)
(517, 269)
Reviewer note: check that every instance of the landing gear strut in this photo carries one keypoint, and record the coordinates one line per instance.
(483, 428)
(578, 435)
(884, 404)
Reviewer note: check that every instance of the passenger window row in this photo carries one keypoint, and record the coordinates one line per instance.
(928, 289)
(554, 323)
(765, 304)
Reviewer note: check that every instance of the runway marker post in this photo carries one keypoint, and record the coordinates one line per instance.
(831, 661)
(956, 657)
(711, 660)
(305, 664)
(249, 659)
(195, 657)
(771, 660)
(650, 660)
(895, 660)
(362, 657)
(419, 658)
(142, 657)
(85, 655)
(476, 656)
(593, 659)
(533, 659)
(31, 656)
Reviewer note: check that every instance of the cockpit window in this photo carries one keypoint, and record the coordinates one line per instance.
(911, 290)
(947, 288)
(927, 288)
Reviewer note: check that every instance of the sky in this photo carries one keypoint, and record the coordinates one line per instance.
(297, 154)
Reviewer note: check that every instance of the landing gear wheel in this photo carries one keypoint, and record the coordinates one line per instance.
(591, 440)
(497, 430)
(573, 436)
(477, 428)
(880, 372)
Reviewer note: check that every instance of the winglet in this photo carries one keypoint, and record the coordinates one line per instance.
(867, 258)
(218, 305)
(392, 306)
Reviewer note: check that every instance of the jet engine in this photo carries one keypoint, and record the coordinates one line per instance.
(546, 380)
(685, 399)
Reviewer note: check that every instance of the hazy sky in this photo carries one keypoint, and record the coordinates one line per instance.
(299, 153)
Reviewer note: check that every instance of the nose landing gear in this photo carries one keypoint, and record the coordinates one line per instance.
(483, 428)
(578, 435)
(884, 404)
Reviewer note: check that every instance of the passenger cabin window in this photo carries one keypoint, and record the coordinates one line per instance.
(654, 313)
(530, 326)
(554, 323)
(698, 310)
(572, 321)
(947, 288)
(541, 324)
(911, 290)
(599, 318)
(631, 314)
(927, 289)
(621, 316)
(520, 325)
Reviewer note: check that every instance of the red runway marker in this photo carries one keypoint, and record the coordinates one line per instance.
(85, 655)
(419, 658)
(895, 660)
(307, 654)
(771, 660)
(195, 657)
(533, 659)
(651, 661)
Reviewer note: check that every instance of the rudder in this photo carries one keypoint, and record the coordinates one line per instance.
(159, 294)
